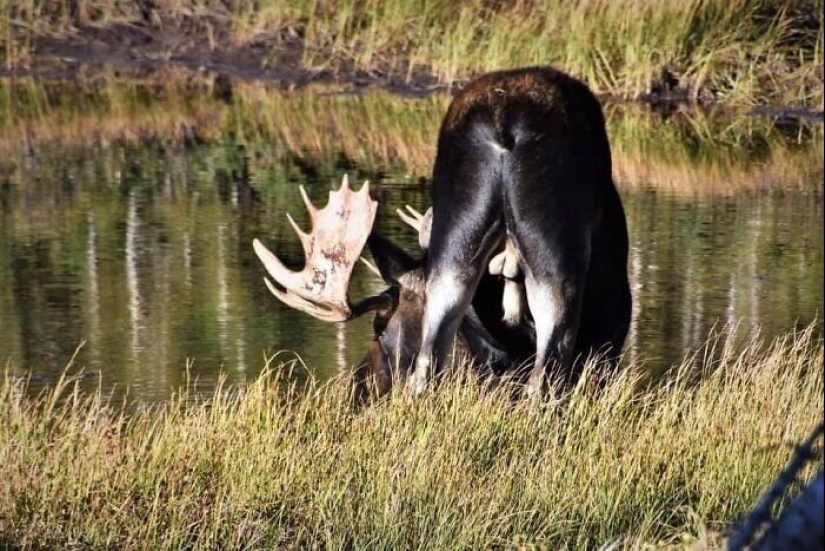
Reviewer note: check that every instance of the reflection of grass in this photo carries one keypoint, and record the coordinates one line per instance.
(265, 466)
(691, 151)
(744, 50)
(705, 152)
(103, 109)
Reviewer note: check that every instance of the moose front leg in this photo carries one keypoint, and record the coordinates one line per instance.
(454, 272)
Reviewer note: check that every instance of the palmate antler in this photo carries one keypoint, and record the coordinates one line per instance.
(339, 233)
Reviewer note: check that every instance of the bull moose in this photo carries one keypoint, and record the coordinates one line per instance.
(524, 249)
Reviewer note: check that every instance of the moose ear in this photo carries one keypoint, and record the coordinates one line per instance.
(392, 260)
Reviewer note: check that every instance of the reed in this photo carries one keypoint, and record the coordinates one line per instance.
(275, 464)
(741, 51)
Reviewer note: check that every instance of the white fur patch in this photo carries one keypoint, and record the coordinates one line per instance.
(497, 147)
(545, 307)
(443, 294)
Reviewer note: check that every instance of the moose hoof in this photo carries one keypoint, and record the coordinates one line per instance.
(535, 389)
(417, 383)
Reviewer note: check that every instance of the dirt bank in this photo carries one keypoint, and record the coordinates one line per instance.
(748, 52)
(138, 48)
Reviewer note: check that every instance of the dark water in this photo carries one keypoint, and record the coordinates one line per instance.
(144, 255)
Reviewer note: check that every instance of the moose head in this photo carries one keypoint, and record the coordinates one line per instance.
(340, 231)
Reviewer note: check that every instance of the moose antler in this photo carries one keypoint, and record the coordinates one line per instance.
(339, 233)
(422, 223)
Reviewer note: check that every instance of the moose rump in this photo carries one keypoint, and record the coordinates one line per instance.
(523, 164)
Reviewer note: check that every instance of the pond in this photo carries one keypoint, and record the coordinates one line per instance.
(133, 253)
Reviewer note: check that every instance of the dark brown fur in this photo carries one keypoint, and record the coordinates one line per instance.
(522, 156)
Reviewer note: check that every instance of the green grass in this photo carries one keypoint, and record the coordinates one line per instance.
(271, 465)
(742, 51)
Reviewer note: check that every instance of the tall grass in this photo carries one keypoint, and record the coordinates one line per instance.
(738, 50)
(273, 465)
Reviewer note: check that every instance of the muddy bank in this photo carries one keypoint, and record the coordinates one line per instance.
(138, 49)
(700, 52)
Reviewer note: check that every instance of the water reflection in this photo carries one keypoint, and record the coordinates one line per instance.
(752, 259)
(144, 253)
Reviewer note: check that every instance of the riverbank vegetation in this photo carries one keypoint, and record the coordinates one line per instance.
(275, 465)
(737, 51)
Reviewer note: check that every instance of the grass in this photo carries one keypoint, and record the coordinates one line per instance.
(689, 152)
(740, 51)
(273, 465)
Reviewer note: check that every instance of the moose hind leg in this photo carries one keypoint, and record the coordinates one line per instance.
(453, 277)
(448, 297)
(555, 304)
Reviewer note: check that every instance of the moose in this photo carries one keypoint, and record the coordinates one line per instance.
(524, 250)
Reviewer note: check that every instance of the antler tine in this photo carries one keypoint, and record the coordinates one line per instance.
(306, 239)
(422, 223)
(313, 210)
(303, 305)
(413, 218)
(343, 189)
(414, 212)
(275, 267)
(372, 267)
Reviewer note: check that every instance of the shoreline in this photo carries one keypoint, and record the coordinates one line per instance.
(776, 62)
(63, 60)
(137, 49)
